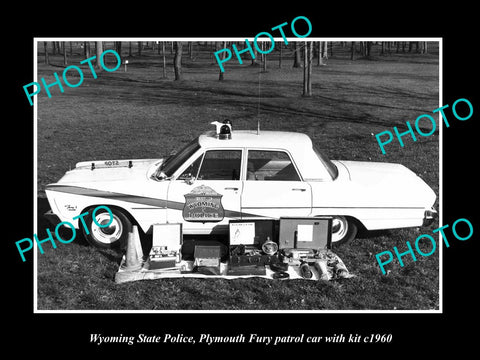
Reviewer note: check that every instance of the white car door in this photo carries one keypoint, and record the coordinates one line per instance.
(206, 195)
(273, 186)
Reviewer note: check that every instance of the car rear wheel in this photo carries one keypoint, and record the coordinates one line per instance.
(107, 231)
(343, 230)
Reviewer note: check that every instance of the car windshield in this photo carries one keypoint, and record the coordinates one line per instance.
(331, 168)
(172, 163)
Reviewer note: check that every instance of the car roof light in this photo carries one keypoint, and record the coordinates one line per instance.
(224, 129)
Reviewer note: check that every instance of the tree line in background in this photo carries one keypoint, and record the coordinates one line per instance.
(302, 53)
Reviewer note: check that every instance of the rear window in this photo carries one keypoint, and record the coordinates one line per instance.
(270, 165)
(329, 165)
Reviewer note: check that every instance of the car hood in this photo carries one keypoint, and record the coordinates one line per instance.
(388, 181)
(110, 170)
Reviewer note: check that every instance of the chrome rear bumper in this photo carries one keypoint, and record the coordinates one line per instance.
(429, 216)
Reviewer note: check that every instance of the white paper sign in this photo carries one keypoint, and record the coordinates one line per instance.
(305, 233)
(242, 233)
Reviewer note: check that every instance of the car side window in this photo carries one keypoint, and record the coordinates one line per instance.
(192, 170)
(270, 166)
(221, 165)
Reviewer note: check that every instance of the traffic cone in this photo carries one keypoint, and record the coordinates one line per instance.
(133, 260)
(138, 244)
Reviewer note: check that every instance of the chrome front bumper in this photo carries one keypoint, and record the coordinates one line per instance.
(52, 218)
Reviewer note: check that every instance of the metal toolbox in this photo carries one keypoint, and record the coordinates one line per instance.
(305, 233)
(166, 244)
(207, 255)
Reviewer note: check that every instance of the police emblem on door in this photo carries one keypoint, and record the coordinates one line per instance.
(203, 204)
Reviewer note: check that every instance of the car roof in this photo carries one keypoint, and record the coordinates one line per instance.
(262, 139)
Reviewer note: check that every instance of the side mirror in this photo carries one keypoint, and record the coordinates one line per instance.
(159, 176)
(190, 179)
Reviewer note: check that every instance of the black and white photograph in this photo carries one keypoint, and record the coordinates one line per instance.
(242, 181)
(266, 176)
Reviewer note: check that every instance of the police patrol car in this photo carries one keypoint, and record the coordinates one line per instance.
(224, 175)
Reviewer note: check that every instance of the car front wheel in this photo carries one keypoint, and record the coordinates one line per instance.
(107, 237)
(343, 230)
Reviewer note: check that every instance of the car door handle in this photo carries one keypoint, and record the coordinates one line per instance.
(231, 188)
(298, 189)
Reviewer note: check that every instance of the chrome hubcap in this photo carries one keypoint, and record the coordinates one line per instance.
(339, 228)
(108, 234)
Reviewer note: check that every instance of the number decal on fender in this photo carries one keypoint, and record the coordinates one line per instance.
(111, 162)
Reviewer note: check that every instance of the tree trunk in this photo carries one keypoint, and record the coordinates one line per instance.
(118, 48)
(422, 48)
(45, 49)
(322, 52)
(139, 44)
(352, 51)
(309, 65)
(307, 68)
(280, 57)
(325, 50)
(177, 61)
(64, 53)
(264, 57)
(296, 55)
(99, 51)
(220, 74)
(319, 53)
(255, 56)
(164, 61)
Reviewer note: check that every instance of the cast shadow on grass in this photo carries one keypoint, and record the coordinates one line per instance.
(370, 234)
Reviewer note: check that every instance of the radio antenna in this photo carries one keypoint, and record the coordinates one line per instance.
(258, 106)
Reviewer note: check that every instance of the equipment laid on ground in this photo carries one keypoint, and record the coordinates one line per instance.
(251, 245)
(257, 270)
(277, 249)
(207, 260)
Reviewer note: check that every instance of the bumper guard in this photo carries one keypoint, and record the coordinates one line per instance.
(429, 216)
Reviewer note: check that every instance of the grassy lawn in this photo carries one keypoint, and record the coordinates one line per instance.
(138, 114)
